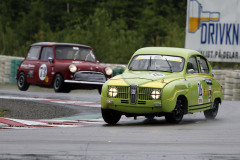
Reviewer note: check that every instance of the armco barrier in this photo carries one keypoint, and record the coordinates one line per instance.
(8, 68)
(229, 79)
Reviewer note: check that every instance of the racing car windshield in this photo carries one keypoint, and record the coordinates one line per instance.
(74, 53)
(157, 63)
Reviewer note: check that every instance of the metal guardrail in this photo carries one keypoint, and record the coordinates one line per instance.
(8, 68)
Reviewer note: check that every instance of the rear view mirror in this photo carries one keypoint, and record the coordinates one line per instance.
(191, 71)
(50, 59)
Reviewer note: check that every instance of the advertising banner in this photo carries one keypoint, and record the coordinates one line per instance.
(213, 29)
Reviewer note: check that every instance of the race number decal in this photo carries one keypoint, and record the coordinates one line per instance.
(42, 72)
(200, 93)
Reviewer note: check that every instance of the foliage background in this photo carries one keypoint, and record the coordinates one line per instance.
(114, 28)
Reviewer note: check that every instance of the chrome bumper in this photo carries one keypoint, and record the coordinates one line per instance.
(83, 82)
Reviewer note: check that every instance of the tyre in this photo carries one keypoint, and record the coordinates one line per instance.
(66, 89)
(228, 92)
(100, 90)
(149, 117)
(22, 83)
(217, 72)
(177, 114)
(212, 113)
(236, 75)
(228, 80)
(110, 116)
(58, 83)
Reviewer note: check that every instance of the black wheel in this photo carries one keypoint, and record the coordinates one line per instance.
(22, 82)
(110, 116)
(58, 83)
(67, 89)
(100, 90)
(149, 117)
(177, 114)
(212, 113)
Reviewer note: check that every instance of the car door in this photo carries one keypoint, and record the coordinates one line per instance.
(192, 77)
(30, 63)
(205, 79)
(45, 66)
(199, 82)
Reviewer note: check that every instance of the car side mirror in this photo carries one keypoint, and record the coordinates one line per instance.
(191, 71)
(50, 59)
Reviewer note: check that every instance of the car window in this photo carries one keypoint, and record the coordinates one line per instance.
(46, 53)
(74, 53)
(203, 64)
(33, 53)
(157, 63)
(192, 65)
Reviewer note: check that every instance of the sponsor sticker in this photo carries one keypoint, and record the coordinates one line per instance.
(76, 62)
(156, 74)
(210, 94)
(200, 93)
(27, 66)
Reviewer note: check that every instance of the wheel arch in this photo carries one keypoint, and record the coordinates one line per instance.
(218, 99)
(170, 95)
(55, 76)
(19, 72)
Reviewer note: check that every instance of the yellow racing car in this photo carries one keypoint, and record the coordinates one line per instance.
(162, 81)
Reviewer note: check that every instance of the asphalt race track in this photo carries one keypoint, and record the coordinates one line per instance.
(141, 139)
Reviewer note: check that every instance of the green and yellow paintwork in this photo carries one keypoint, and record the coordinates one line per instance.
(172, 85)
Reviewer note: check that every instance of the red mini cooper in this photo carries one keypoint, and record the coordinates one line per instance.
(65, 66)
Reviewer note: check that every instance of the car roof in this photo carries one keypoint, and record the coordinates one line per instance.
(167, 51)
(58, 44)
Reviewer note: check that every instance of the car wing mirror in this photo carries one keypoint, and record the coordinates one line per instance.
(50, 59)
(191, 71)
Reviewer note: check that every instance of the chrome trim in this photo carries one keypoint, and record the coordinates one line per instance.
(90, 72)
(83, 82)
(133, 93)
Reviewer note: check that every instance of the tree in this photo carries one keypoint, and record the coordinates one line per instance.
(114, 28)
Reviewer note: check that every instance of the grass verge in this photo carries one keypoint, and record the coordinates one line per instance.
(3, 112)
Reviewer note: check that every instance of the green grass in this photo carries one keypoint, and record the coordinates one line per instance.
(3, 112)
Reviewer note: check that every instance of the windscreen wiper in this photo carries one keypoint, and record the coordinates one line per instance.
(149, 63)
(169, 65)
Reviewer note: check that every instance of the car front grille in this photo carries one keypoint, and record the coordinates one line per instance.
(133, 94)
(144, 93)
(122, 92)
(89, 76)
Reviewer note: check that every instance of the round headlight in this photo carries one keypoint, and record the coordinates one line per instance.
(112, 92)
(155, 94)
(72, 68)
(108, 71)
